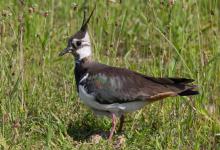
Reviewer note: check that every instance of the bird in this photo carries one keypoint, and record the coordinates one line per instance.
(113, 91)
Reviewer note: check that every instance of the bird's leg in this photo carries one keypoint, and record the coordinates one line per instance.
(113, 126)
(122, 118)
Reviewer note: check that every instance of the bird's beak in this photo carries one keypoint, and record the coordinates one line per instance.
(66, 50)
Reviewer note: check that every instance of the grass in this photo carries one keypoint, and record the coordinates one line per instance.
(40, 108)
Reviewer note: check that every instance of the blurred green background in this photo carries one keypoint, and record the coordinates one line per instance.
(40, 108)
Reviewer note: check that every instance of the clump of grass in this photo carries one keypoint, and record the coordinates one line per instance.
(39, 105)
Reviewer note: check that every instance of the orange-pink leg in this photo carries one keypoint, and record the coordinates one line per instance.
(113, 126)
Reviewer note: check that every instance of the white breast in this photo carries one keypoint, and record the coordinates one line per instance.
(117, 108)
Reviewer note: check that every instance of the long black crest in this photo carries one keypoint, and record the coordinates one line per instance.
(86, 21)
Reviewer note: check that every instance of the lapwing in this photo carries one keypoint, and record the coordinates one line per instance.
(113, 91)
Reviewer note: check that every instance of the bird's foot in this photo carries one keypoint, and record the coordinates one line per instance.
(95, 138)
(119, 143)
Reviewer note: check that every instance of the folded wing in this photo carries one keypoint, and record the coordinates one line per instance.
(117, 85)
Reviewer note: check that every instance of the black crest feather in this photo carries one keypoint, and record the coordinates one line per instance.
(86, 21)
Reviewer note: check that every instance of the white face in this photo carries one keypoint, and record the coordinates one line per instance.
(83, 46)
(79, 44)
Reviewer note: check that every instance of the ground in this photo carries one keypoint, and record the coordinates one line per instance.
(40, 108)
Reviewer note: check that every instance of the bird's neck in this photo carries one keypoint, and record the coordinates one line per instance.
(81, 68)
(82, 61)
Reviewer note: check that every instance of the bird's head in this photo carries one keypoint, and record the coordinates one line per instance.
(79, 44)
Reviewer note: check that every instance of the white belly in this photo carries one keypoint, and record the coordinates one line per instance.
(116, 108)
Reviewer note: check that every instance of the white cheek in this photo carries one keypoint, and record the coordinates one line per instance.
(85, 49)
(84, 52)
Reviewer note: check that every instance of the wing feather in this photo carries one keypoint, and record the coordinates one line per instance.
(117, 85)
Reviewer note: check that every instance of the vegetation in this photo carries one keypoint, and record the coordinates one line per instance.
(40, 108)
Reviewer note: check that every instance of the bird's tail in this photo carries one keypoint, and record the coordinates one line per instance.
(190, 89)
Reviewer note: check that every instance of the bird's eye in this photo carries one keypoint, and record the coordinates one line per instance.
(78, 43)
